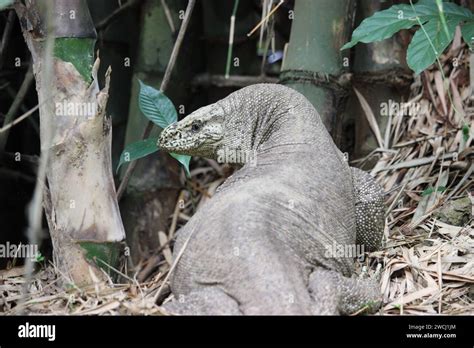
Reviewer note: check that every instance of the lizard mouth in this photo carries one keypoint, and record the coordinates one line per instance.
(178, 139)
(171, 140)
(166, 139)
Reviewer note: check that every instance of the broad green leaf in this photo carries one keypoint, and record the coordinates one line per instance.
(455, 11)
(5, 3)
(383, 24)
(467, 30)
(138, 150)
(421, 54)
(428, 9)
(156, 106)
(184, 160)
(77, 51)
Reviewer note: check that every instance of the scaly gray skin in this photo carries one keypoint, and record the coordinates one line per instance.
(261, 244)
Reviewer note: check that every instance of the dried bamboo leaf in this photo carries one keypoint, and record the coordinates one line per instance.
(370, 118)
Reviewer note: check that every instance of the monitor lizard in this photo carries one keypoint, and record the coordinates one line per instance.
(279, 235)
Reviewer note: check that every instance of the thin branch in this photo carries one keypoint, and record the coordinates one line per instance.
(169, 18)
(34, 124)
(25, 86)
(117, 13)
(264, 19)
(231, 38)
(175, 51)
(164, 85)
(19, 119)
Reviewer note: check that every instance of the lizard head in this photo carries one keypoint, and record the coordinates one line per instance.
(232, 129)
(199, 134)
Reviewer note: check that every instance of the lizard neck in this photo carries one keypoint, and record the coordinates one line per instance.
(274, 119)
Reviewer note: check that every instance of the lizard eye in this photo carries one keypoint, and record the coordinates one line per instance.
(195, 127)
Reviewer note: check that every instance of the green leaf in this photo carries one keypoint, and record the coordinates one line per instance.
(38, 258)
(77, 51)
(455, 11)
(138, 150)
(156, 106)
(184, 160)
(383, 24)
(430, 190)
(5, 3)
(427, 192)
(467, 30)
(103, 254)
(465, 132)
(424, 48)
